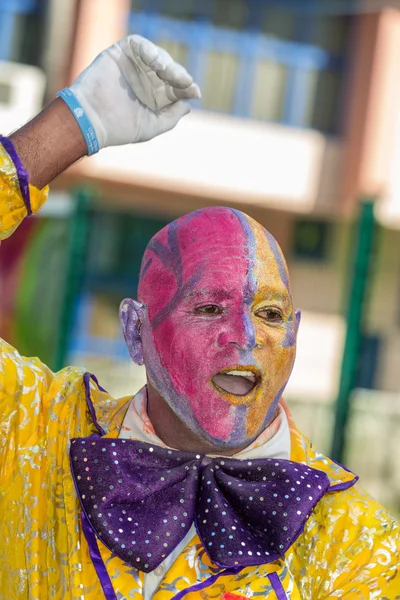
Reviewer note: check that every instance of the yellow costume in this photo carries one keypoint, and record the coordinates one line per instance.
(350, 546)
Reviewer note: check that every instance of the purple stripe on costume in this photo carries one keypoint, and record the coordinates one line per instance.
(23, 177)
(277, 585)
(94, 552)
(86, 379)
(339, 487)
(98, 562)
(206, 583)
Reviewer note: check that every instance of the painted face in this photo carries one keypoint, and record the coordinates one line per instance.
(218, 328)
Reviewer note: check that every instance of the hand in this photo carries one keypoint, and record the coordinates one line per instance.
(133, 91)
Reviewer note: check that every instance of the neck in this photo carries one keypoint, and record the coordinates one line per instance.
(176, 434)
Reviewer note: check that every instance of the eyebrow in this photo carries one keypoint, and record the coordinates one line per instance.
(214, 294)
(273, 294)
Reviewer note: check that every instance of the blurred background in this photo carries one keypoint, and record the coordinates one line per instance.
(299, 126)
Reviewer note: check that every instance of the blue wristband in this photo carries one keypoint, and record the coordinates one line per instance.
(82, 119)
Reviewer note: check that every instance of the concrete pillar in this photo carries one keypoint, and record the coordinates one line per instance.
(373, 96)
(58, 40)
(100, 23)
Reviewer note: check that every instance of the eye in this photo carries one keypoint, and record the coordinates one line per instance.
(272, 315)
(209, 309)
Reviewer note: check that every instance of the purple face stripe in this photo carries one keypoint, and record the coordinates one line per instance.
(251, 283)
(144, 268)
(176, 299)
(239, 431)
(291, 333)
(251, 248)
(171, 258)
(279, 259)
(270, 414)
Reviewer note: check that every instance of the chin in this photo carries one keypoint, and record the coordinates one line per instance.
(219, 444)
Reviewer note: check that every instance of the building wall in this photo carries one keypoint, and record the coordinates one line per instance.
(318, 284)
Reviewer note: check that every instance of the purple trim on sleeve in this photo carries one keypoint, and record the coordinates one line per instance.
(91, 538)
(339, 487)
(98, 562)
(86, 379)
(23, 176)
(206, 583)
(277, 585)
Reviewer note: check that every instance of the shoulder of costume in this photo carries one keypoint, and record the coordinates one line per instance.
(303, 451)
(107, 412)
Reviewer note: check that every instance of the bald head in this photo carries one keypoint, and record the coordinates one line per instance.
(215, 235)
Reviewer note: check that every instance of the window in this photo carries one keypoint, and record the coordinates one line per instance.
(311, 240)
(368, 363)
(21, 32)
(271, 61)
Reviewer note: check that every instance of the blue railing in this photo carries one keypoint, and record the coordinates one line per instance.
(9, 12)
(249, 47)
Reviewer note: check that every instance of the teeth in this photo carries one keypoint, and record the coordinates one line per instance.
(248, 374)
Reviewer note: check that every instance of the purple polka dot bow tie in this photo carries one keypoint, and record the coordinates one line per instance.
(141, 500)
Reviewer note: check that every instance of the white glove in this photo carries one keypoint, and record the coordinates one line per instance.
(131, 92)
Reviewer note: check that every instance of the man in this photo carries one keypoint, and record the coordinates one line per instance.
(200, 486)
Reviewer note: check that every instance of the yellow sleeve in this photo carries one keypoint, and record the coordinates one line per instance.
(362, 550)
(13, 206)
(31, 398)
(23, 384)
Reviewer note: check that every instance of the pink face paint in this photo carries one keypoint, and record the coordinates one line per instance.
(213, 288)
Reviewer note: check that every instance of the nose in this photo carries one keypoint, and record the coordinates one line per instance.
(240, 332)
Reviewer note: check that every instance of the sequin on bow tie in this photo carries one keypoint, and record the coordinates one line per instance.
(141, 500)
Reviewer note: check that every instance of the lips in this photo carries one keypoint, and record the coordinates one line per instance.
(238, 381)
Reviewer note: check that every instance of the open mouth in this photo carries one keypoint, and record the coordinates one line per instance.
(239, 381)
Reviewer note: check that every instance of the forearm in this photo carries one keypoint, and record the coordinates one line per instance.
(131, 93)
(49, 144)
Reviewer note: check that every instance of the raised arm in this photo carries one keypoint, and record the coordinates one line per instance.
(132, 92)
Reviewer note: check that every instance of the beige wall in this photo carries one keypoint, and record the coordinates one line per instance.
(318, 286)
(323, 288)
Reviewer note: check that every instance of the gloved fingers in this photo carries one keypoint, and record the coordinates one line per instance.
(170, 71)
(161, 62)
(170, 116)
(141, 47)
(190, 93)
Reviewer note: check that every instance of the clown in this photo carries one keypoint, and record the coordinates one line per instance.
(200, 486)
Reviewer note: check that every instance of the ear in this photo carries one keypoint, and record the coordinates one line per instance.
(131, 313)
(297, 320)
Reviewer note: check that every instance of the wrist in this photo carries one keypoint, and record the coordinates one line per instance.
(81, 116)
(49, 143)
